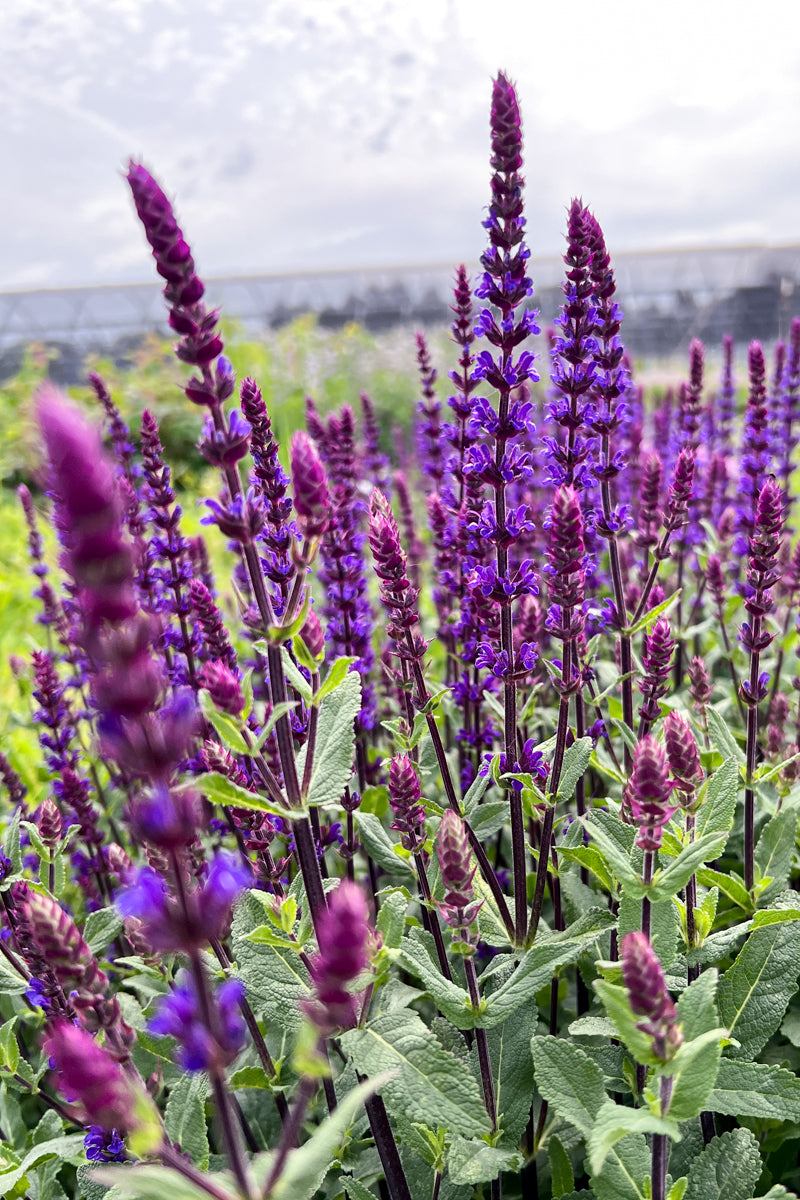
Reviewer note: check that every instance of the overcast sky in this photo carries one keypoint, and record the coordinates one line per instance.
(306, 134)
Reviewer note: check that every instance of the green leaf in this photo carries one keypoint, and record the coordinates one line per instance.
(727, 1169)
(338, 670)
(573, 1087)
(391, 920)
(722, 738)
(509, 1053)
(417, 955)
(614, 1122)
(431, 1085)
(545, 957)
(755, 990)
(380, 847)
(227, 728)
(10, 981)
(755, 1090)
(695, 1068)
(334, 747)
(774, 853)
(221, 790)
(185, 1117)
(649, 618)
(668, 882)
(664, 925)
(294, 676)
(576, 760)
(617, 858)
(729, 884)
(306, 1167)
(487, 819)
(101, 928)
(617, 1005)
(11, 845)
(719, 806)
(475, 792)
(149, 1182)
(697, 1006)
(64, 1148)
(356, 1190)
(569, 1081)
(477, 1162)
(563, 1179)
(9, 1047)
(275, 978)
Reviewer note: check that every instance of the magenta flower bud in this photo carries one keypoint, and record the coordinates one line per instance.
(312, 502)
(459, 908)
(313, 635)
(699, 683)
(343, 938)
(506, 127)
(404, 797)
(223, 687)
(89, 1075)
(48, 820)
(648, 793)
(565, 568)
(391, 567)
(164, 818)
(682, 753)
(648, 995)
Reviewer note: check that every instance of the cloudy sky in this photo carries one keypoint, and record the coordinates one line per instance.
(307, 134)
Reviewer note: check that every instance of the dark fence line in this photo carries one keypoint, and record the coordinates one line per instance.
(668, 296)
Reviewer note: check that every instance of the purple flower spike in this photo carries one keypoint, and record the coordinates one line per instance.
(344, 934)
(565, 568)
(391, 567)
(312, 502)
(459, 907)
(656, 661)
(648, 794)
(648, 995)
(404, 797)
(683, 754)
(89, 1075)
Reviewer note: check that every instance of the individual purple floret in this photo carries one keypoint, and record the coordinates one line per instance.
(648, 995)
(200, 1047)
(647, 799)
(343, 938)
(104, 1145)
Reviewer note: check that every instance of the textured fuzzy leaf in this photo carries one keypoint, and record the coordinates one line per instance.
(671, 879)
(755, 990)
(509, 1053)
(569, 1081)
(614, 1122)
(774, 852)
(562, 1177)
(380, 846)
(221, 790)
(417, 955)
(728, 1168)
(101, 928)
(755, 1090)
(547, 955)
(471, 1161)
(717, 811)
(185, 1117)
(334, 749)
(665, 925)
(722, 738)
(430, 1084)
(307, 1166)
(576, 760)
(63, 1148)
(149, 1182)
(275, 978)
